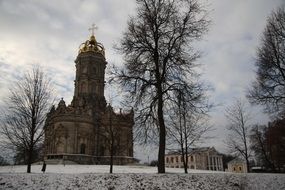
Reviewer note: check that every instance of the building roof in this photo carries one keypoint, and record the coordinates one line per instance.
(193, 150)
(236, 161)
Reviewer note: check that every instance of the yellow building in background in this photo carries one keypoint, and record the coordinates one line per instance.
(205, 158)
(237, 166)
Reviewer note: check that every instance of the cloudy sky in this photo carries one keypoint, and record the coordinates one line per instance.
(48, 33)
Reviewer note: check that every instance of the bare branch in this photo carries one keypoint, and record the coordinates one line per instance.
(269, 87)
(26, 108)
(239, 129)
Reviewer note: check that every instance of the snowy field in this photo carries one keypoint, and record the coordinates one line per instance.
(132, 177)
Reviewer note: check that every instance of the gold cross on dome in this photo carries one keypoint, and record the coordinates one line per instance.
(94, 27)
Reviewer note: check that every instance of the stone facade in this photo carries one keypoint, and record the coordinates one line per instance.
(205, 158)
(82, 131)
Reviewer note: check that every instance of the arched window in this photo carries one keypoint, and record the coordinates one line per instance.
(82, 149)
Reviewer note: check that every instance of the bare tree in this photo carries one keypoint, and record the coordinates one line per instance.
(269, 87)
(22, 124)
(239, 130)
(187, 126)
(112, 136)
(159, 59)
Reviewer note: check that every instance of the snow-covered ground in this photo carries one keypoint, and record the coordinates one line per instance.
(132, 177)
(95, 169)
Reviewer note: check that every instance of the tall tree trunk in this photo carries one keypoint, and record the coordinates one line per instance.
(162, 133)
(112, 140)
(31, 146)
(111, 157)
(242, 116)
(181, 136)
(30, 157)
(247, 164)
(184, 158)
(246, 150)
(246, 156)
(186, 144)
(186, 161)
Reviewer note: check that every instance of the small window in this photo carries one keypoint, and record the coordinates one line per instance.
(240, 168)
(176, 158)
(167, 160)
(171, 159)
(234, 168)
(192, 159)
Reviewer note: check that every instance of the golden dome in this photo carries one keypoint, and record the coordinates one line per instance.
(92, 38)
(92, 45)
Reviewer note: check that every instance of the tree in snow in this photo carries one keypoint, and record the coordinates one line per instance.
(239, 130)
(188, 124)
(159, 60)
(24, 117)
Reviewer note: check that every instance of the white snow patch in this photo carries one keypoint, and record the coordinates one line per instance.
(132, 177)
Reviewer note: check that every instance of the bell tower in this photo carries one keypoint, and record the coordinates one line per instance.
(90, 73)
(79, 132)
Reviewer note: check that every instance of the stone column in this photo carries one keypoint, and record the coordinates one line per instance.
(221, 164)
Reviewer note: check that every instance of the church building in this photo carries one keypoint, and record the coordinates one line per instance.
(88, 130)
